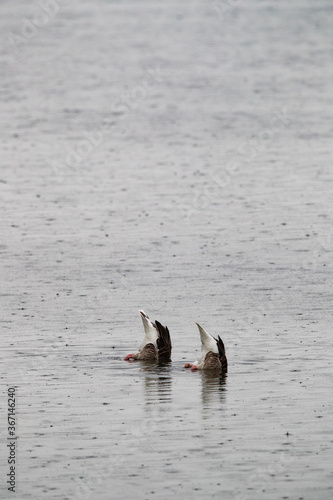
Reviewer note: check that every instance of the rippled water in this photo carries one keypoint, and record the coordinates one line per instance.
(175, 157)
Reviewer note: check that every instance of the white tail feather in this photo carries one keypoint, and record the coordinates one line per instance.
(208, 343)
(151, 333)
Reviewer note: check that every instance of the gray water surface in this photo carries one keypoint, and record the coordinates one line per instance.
(175, 157)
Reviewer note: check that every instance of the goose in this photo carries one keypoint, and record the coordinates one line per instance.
(213, 353)
(156, 345)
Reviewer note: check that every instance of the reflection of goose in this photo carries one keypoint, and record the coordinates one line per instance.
(213, 391)
(157, 383)
(157, 396)
(213, 354)
(156, 345)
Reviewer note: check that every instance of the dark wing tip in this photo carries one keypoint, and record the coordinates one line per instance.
(222, 356)
(220, 342)
(163, 342)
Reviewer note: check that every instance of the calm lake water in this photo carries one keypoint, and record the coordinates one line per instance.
(175, 157)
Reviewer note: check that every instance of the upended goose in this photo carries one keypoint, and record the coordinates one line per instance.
(213, 354)
(156, 345)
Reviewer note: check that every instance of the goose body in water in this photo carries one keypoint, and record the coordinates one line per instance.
(213, 355)
(156, 345)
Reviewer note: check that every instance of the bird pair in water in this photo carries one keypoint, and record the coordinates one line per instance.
(156, 346)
